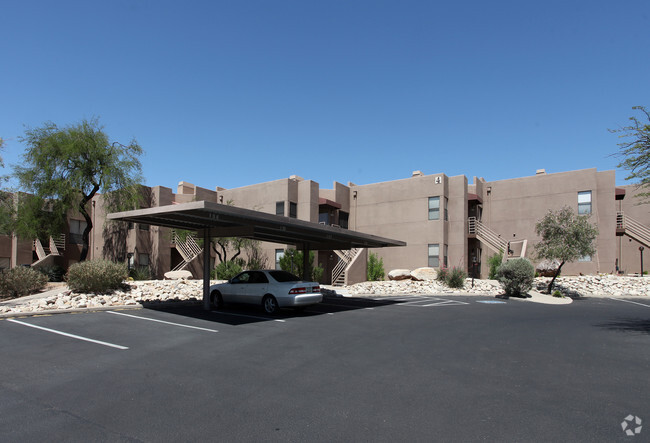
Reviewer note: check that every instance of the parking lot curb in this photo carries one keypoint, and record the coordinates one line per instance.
(100, 308)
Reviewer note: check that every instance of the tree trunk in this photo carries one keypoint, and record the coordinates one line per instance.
(85, 236)
(550, 285)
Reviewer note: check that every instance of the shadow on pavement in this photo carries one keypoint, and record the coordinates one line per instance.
(628, 325)
(235, 314)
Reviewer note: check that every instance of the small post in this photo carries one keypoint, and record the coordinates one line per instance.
(641, 251)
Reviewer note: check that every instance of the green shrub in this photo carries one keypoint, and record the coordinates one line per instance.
(375, 268)
(453, 278)
(557, 294)
(20, 281)
(516, 276)
(494, 262)
(228, 269)
(140, 273)
(96, 276)
(456, 278)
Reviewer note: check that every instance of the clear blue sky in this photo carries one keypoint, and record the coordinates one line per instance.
(230, 93)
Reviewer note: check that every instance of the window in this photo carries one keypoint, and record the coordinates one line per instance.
(434, 208)
(77, 228)
(143, 226)
(293, 210)
(143, 260)
(584, 202)
(5, 262)
(444, 257)
(344, 219)
(446, 211)
(434, 256)
(279, 208)
(324, 218)
(279, 253)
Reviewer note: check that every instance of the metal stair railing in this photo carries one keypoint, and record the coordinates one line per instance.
(345, 258)
(633, 228)
(486, 235)
(188, 249)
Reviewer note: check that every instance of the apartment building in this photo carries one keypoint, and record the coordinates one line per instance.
(445, 221)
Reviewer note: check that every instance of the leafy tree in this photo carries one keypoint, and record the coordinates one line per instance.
(565, 237)
(291, 261)
(65, 167)
(636, 151)
(6, 203)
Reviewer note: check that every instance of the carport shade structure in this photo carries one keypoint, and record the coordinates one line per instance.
(211, 219)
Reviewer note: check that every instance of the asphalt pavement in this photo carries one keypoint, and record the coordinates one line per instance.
(447, 368)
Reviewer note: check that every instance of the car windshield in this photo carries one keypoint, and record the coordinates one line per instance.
(283, 276)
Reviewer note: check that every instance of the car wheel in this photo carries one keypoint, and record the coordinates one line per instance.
(270, 305)
(217, 299)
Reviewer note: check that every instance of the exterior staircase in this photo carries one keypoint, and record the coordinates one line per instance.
(53, 249)
(488, 237)
(626, 225)
(188, 249)
(346, 257)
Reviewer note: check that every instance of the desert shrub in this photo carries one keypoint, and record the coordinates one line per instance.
(516, 276)
(53, 273)
(228, 269)
(317, 273)
(493, 263)
(557, 294)
(140, 273)
(443, 274)
(375, 268)
(456, 278)
(96, 276)
(453, 278)
(20, 281)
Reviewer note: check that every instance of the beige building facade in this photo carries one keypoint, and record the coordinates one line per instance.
(445, 221)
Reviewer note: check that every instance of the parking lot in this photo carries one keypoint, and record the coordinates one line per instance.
(384, 369)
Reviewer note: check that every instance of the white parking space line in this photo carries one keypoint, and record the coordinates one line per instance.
(446, 303)
(628, 301)
(161, 321)
(249, 316)
(78, 337)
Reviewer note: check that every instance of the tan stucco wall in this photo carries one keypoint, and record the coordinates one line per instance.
(633, 207)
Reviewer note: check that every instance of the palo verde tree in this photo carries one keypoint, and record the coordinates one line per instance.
(65, 167)
(566, 237)
(635, 151)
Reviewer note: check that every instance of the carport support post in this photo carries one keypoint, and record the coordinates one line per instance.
(206, 269)
(305, 262)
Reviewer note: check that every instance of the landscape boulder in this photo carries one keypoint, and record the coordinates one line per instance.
(178, 275)
(424, 274)
(547, 268)
(399, 274)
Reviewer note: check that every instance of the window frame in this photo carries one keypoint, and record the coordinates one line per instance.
(585, 207)
(434, 211)
(433, 260)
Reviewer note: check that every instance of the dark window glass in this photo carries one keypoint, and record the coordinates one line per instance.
(283, 276)
(343, 219)
(279, 208)
(293, 210)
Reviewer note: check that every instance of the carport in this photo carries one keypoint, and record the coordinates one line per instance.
(209, 219)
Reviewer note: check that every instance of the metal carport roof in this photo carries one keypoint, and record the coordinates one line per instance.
(218, 220)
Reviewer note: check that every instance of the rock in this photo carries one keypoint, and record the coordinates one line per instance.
(547, 268)
(399, 274)
(424, 274)
(178, 275)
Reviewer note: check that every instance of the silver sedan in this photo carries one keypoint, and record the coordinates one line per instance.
(271, 289)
